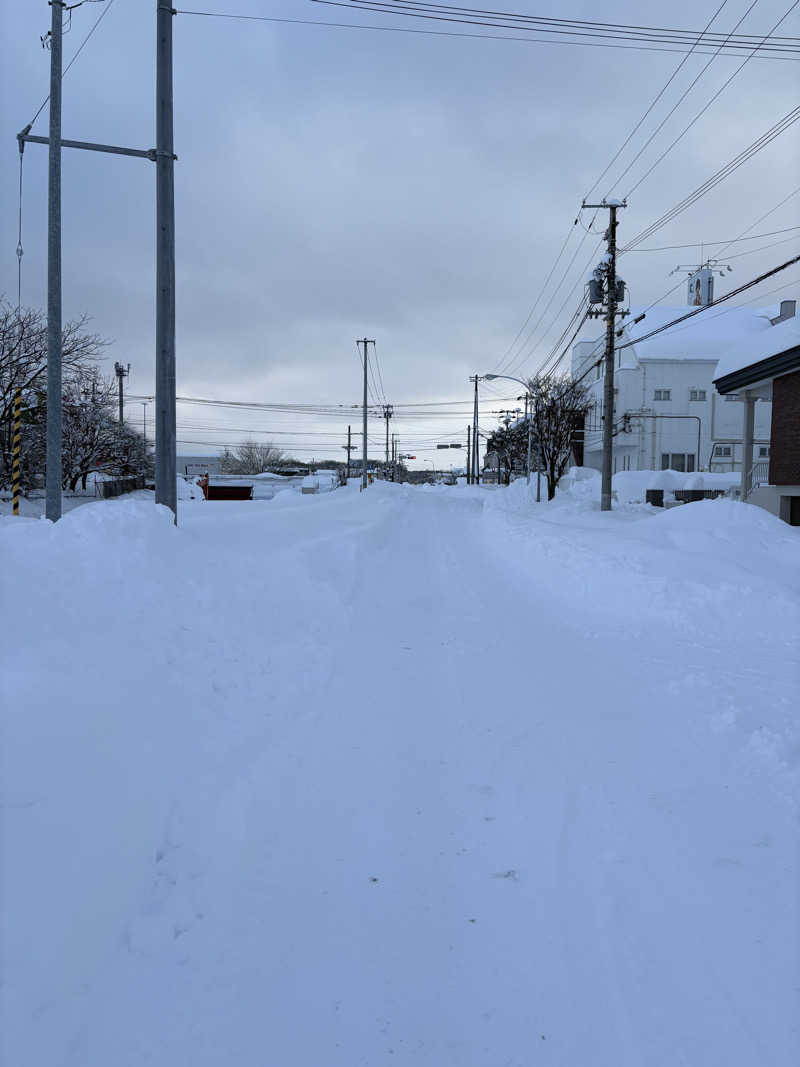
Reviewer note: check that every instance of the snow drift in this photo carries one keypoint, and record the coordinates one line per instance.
(423, 777)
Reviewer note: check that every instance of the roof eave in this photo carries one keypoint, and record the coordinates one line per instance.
(761, 372)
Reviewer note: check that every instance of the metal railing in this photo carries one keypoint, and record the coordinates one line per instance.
(759, 475)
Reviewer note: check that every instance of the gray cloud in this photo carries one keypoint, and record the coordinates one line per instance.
(333, 183)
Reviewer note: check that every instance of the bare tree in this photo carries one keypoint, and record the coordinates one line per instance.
(93, 438)
(23, 367)
(250, 457)
(559, 406)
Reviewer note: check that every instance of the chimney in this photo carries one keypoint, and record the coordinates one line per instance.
(788, 311)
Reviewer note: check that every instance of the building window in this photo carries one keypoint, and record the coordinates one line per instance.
(732, 396)
(763, 452)
(722, 450)
(678, 461)
(697, 394)
(662, 394)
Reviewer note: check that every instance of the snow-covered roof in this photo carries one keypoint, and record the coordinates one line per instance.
(707, 336)
(755, 347)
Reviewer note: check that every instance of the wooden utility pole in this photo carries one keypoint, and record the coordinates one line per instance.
(469, 455)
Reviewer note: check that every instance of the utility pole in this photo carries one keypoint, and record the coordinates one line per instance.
(54, 390)
(144, 404)
(166, 483)
(528, 421)
(348, 448)
(609, 269)
(121, 373)
(365, 341)
(388, 411)
(163, 157)
(469, 455)
(476, 461)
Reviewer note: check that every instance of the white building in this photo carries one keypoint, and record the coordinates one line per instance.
(667, 413)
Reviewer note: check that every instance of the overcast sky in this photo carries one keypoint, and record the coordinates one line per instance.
(333, 183)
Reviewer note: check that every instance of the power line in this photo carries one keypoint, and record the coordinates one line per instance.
(713, 303)
(80, 48)
(578, 282)
(521, 355)
(600, 178)
(762, 248)
(705, 108)
(711, 244)
(399, 5)
(439, 33)
(761, 218)
(654, 101)
(535, 24)
(732, 165)
(650, 139)
(542, 289)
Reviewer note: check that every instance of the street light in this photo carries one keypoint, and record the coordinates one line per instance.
(433, 465)
(519, 381)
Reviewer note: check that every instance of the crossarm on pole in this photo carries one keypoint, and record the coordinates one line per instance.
(89, 146)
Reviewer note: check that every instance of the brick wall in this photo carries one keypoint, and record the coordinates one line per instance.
(784, 451)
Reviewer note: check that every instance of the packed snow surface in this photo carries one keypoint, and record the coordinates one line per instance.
(416, 776)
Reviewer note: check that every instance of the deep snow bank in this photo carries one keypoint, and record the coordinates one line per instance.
(413, 776)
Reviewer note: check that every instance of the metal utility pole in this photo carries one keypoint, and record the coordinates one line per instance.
(144, 404)
(166, 482)
(365, 341)
(469, 454)
(54, 390)
(16, 442)
(163, 157)
(121, 373)
(609, 268)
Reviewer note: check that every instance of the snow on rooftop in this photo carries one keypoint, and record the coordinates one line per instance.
(707, 336)
(753, 348)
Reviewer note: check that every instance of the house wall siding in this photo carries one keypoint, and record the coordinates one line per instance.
(649, 439)
(784, 463)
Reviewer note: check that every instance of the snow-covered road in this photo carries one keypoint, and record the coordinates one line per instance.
(418, 776)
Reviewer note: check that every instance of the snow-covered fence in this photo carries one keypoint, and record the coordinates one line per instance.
(118, 486)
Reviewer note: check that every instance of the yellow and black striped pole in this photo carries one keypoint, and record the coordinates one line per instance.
(16, 448)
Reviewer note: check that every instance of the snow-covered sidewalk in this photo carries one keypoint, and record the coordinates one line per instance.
(419, 776)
